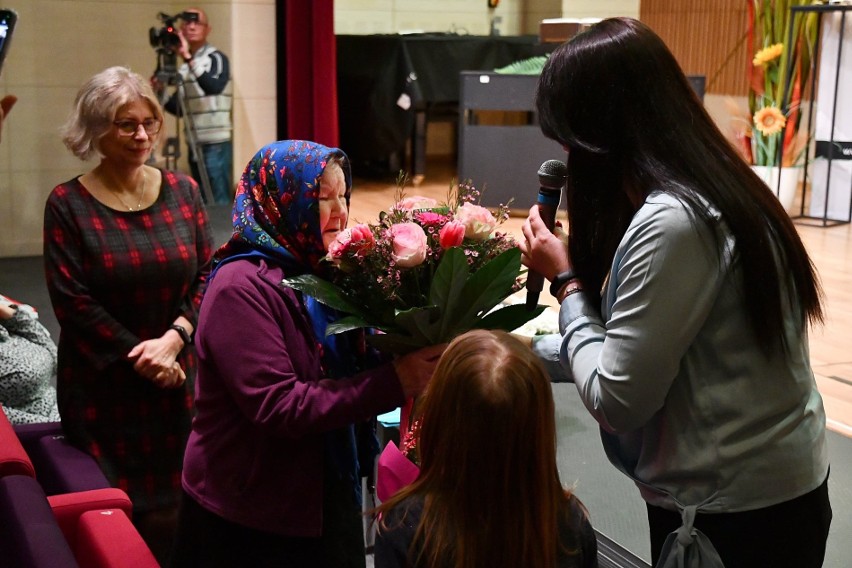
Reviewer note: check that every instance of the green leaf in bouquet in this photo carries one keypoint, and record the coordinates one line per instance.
(345, 324)
(422, 323)
(486, 288)
(325, 293)
(509, 317)
(448, 283)
(395, 343)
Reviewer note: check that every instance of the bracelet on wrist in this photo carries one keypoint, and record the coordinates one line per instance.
(560, 280)
(567, 290)
(184, 335)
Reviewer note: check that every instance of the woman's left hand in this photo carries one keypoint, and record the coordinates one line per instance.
(171, 378)
(156, 358)
(541, 250)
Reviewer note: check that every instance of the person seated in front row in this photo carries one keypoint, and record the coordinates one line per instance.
(27, 366)
(27, 353)
(489, 492)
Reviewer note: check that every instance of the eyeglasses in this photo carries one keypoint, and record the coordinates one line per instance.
(131, 127)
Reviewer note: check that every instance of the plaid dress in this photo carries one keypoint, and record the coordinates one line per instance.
(117, 278)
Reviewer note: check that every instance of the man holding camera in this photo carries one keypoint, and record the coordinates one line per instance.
(206, 79)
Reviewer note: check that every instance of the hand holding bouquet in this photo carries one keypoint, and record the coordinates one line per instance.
(424, 273)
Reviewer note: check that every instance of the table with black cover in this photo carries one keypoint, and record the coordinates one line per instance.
(389, 86)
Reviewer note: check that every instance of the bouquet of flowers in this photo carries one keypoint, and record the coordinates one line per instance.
(423, 273)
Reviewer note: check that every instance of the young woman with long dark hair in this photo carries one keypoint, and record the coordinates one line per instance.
(685, 297)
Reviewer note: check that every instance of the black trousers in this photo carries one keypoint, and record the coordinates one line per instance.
(206, 540)
(787, 535)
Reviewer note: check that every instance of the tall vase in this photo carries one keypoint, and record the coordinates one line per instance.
(786, 191)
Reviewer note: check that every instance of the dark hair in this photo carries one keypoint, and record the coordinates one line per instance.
(617, 99)
(490, 485)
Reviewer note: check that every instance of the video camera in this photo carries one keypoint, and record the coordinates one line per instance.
(167, 37)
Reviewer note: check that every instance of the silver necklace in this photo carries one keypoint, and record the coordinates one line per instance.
(141, 197)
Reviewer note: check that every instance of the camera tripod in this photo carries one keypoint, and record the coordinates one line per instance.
(168, 75)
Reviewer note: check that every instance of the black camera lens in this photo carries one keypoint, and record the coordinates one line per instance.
(165, 37)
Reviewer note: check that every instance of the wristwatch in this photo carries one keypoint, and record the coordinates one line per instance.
(184, 335)
(560, 280)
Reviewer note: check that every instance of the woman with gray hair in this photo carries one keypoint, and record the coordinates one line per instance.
(127, 248)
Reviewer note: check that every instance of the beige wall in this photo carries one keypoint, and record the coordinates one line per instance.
(467, 16)
(252, 45)
(600, 8)
(392, 16)
(60, 43)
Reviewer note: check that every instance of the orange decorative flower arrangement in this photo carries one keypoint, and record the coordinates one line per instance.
(775, 100)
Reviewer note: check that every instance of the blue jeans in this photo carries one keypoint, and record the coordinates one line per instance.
(219, 159)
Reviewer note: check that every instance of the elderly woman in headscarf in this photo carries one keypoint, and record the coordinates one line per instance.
(271, 473)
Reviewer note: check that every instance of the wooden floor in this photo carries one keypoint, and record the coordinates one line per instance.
(829, 247)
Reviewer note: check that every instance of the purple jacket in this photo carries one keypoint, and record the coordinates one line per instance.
(255, 454)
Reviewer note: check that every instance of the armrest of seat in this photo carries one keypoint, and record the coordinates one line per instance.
(30, 434)
(14, 460)
(30, 535)
(107, 539)
(63, 468)
(69, 507)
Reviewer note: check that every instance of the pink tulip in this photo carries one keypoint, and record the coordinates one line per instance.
(478, 221)
(409, 244)
(362, 237)
(357, 239)
(451, 234)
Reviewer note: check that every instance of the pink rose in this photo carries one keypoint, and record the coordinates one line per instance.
(478, 221)
(451, 234)
(415, 202)
(409, 244)
(355, 240)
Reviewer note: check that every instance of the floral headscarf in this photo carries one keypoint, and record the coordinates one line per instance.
(276, 209)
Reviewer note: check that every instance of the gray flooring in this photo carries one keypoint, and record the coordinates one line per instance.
(614, 503)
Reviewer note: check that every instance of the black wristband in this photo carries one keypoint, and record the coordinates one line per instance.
(560, 280)
(184, 335)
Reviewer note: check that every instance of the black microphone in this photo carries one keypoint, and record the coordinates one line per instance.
(551, 178)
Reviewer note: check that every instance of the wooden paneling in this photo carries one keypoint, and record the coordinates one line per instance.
(706, 36)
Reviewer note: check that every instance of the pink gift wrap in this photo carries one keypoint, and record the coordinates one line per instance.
(395, 471)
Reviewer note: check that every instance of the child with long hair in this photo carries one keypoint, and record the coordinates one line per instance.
(489, 492)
